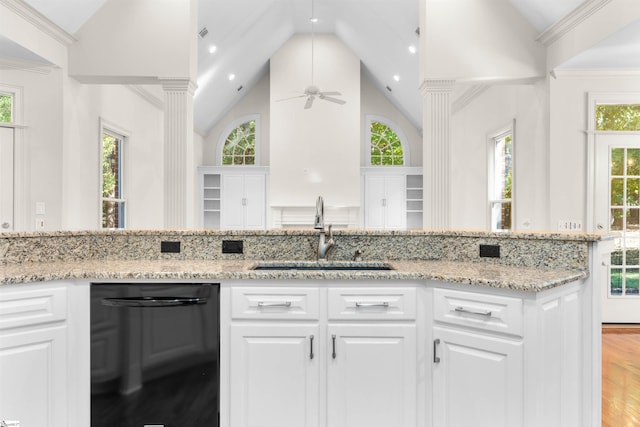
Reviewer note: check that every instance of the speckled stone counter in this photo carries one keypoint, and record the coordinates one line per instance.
(527, 262)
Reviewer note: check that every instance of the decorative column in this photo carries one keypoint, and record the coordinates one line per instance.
(436, 125)
(179, 168)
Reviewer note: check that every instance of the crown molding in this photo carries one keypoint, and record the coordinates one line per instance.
(467, 97)
(147, 96)
(560, 73)
(24, 65)
(40, 21)
(572, 20)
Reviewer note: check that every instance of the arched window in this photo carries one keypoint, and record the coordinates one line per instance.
(240, 144)
(386, 147)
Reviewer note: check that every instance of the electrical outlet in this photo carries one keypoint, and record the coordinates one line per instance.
(170, 247)
(490, 251)
(232, 246)
(567, 225)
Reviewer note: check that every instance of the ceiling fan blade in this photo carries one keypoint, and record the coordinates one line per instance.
(292, 97)
(330, 93)
(309, 102)
(336, 100)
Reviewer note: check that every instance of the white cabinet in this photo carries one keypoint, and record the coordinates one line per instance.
(275, 373)
(384, 202)
(233, 197)
(372, 375)
(33, 355)
(243, 201)
(392, 198)
(320, 356)
(477, 380)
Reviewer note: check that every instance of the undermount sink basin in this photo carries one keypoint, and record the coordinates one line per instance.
(323, 266)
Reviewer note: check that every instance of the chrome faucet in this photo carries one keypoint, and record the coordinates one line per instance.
(324, 244)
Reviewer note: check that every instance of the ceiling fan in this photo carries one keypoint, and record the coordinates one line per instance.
(312, 91)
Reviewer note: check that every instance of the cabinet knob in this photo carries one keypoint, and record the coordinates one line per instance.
(6, 225)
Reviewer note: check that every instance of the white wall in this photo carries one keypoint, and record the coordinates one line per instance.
(136, 42)
(494, 109)
(85, 105)
(478, 40)
(568, 149)
(315, 151)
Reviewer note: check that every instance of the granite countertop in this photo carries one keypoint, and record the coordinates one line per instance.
(527, 279)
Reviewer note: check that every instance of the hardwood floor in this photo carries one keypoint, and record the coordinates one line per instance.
(620, 376)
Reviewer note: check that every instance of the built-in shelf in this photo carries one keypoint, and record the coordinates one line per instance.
(414, 201)
(210, 200)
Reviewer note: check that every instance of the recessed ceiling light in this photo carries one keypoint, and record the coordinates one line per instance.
(314, 20)
(232, 77)
(396, 78)
(213, 48)
(412, 49)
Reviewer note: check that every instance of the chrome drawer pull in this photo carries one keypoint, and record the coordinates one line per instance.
(372, 304)
(285, 304)
(436, 358)
(477, 313)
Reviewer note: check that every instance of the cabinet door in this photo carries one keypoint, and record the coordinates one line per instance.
(275, 379)
(33, 371)
(396, 213)
(478, 380)
(374, 202)
(255, 204)
(232, 202)
(372, 376)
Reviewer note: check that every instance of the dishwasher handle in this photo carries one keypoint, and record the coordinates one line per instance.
(153, 301)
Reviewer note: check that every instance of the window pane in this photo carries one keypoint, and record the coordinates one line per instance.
(239, 147)
(617, 219)
(386, 147)
(501, 216)
(6, 108)
(633, 198)
(633, 160)
(617, 161)
(618, 117)
(616, 257)
(111, 170)
(616, 282)
(617, 191)
(112, 214)
(631, 281)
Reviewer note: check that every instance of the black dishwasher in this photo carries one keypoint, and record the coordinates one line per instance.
(154, 354)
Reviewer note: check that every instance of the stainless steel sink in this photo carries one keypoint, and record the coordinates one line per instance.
(323, 265)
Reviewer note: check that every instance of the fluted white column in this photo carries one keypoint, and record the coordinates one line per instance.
(436, 147)
(179, 169)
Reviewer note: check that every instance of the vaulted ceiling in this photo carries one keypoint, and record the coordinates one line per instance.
(246, 33)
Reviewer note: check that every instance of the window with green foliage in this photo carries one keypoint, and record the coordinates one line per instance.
(113, 202)
(624, 198)
(6, 108)
(501, 182)
(618, 117)
(386, 146)
(240, 146)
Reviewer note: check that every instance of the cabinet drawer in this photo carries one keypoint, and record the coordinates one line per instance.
(488, 312)
(372, 303)
(27, 307)
(274, 303)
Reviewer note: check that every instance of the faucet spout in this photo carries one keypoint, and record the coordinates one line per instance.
(324, 244)
(319, 222)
